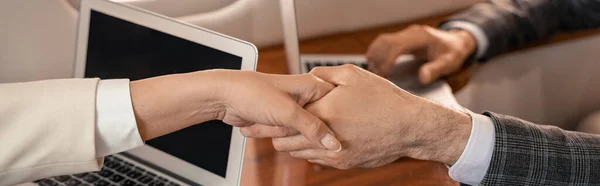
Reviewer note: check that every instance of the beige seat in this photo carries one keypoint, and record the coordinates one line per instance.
(557, 85)
(590, 123)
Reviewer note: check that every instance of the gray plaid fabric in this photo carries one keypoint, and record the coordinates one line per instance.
(517, 23)
(530, 154)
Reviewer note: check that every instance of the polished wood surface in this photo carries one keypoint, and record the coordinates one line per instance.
(263, 166)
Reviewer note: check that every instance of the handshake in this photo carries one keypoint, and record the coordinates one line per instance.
(343, 117)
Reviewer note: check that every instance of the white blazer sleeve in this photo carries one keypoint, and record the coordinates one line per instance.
(47, 129)
(116, 128)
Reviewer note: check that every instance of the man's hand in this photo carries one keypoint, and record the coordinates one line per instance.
(378, 123)
(239, 98)
(445, 51)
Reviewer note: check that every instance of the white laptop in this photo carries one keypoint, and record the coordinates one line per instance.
(120, 41)
(403, 74)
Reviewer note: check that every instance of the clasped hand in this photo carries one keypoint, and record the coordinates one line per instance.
(375, 121)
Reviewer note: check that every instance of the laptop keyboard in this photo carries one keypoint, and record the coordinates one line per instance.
(115, 172)
(312, 64)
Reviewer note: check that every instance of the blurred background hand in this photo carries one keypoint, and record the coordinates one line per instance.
(444, 51)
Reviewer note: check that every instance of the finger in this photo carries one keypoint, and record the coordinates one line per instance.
(318, 161)
(377, 52)
(312, 128)
(293, 143)
(309, 154)
(391, 47)
(433, 70)
(306, 88)
(337, 75)
(267, 131)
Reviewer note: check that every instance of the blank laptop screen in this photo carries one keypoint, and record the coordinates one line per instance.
(121, 49)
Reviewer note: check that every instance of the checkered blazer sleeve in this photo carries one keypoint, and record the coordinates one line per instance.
(530, 154)
(517, 23)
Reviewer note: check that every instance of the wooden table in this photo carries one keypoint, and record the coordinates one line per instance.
(263, 166)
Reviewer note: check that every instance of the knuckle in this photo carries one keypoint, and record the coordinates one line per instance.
(383, 40)
(278, 146)
(348, 66)
(244, 132)
(349, 69)
(316, 83)
(308, 77)
(384, 37)
(416, 27)
(314, 127)
(283, 131)
(295, 154)
(248, 132)
(316, 69)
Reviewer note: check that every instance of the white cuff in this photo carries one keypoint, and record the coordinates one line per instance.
(480, 37)
(473, 163)
(116, 128)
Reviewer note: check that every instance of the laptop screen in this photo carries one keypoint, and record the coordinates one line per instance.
(121, 49)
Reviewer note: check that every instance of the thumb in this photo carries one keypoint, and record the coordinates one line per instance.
(312, 128)
(306, 88)
(433, 70)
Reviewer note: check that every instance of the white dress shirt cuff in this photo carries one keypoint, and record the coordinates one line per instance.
(116, 128)
(480, 37)
(473, 163)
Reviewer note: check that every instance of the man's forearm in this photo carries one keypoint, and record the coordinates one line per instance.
(449, 132)
(462, 142)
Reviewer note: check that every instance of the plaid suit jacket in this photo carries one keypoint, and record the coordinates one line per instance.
(517, 23)
(530, 154)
